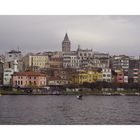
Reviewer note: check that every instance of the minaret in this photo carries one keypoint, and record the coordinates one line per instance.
(66, 45)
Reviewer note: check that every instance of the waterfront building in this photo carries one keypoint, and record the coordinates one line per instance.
(28, 79)
(119, 76)
(86, 76)
(125, 79)
(106, 75)
(66, 44)
(57, 81)
(65, 74)
(134, 75)
(134, 71)
(1, 72)
(7, 76)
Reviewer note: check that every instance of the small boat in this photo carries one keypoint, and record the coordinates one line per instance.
(79, 97)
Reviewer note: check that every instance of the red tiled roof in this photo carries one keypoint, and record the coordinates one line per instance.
(28, 74)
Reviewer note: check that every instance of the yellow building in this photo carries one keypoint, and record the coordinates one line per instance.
(86, 76)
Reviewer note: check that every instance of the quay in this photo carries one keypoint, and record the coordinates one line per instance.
(71, 93)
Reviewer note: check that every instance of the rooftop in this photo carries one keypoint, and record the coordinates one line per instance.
(66, 38)
(14, 51)
(30, 73)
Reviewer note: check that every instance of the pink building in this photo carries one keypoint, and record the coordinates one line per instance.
(24, 79)
(120, 76)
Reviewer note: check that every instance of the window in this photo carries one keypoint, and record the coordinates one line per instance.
(18, 82)
(9, 65)
(108, 80)
(104, 75)
(21, 82)
(35, 82)
(15, 82)
(34, 77)
(19, 77)
(135, 74)
(108, 75)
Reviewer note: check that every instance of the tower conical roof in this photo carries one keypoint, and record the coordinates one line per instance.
(66, 38)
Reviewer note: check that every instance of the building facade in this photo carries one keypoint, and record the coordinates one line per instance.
(120, 62)
(35, 60)
(57, 81)
(134, 71)
(28, 79)
(88, 76)
(70, 60)
(13, 55)
(103, 59)
(106, 75)
(119, 76)
(7, 76)
(85, 56)
(1, 72)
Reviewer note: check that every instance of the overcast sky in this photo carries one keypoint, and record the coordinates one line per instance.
(113, 34)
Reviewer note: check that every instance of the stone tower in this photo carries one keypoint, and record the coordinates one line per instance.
(66, 45)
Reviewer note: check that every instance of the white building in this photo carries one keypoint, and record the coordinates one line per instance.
(125, 79)
(7, 75)
(106, 75)
(70, 60)
(103, 59)
(120, 62)
(12, 55)
(84, 56)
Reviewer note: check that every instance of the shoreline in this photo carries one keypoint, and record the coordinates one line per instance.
(78, 93)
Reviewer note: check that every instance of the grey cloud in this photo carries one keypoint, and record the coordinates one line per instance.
(113, 34)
